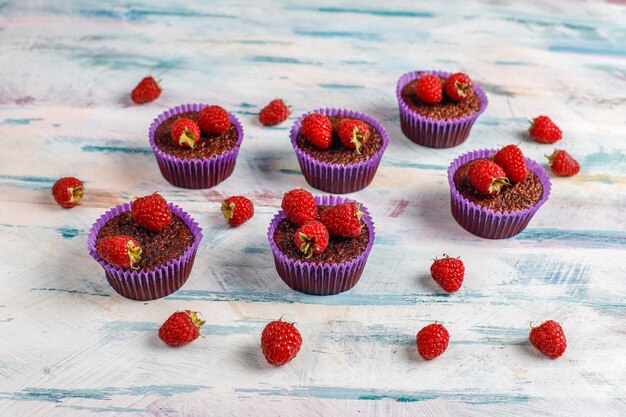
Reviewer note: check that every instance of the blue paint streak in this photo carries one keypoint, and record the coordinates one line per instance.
(70, 291)
(610, 51)
(109, 149)
(280, 60)
(387, 13)
(247, 105)
(512, 63)
(124, 330)
(586, 238)
(29, 178)
(58, 395)
(290, 171)
(19, 122)
(340, 393)
(340, 86)
(339, 34)
(256, 249)
(69, 233)
(135, 15)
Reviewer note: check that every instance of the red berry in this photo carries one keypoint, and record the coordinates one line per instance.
(318, 129)
(343, 220)
(512, 161)
(549, 339)
(68, 192)
(543, 130)
(563, 164)
(281, 342)
(299, 206)
(120, 251)
(312, 238)
(353, 133)
(185, 132)
(181, 328)
(237, 210)
(448, 272)
(274, 113)
(487, 176)
(214, 120)
(459, 87)
(429, 89)
(152, 212)
(146, 91)
(432, 341)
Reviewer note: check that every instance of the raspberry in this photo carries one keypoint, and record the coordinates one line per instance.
(299, 206)
(237, 210)
(185, 132)
(458, 87)
(549, 339)
(280, 342)
(343, 220)
(318, 130)
(214, 120)
(274, 113)
(543, 130)
(312, 238)
(353, 133)
(448, 272)
(151, 212)
(120, 251)
(68, 192)
(487, 177)
(432, 341)
(512, 161)
(429, 89)
(146, 91)
(181, 328)
(563, 164)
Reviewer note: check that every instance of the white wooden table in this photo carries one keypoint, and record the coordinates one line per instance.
(70, 346)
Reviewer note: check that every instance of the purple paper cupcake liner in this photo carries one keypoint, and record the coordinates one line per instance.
(432, 132)
(485, 222)
(321, 279)
(338, 178)
(194, 173)
(151, 284)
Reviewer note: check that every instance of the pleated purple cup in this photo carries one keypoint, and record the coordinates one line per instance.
(150, 284)
(338, 178)
(194, 173)
(486, 222)
(430, 132)
(321, 279)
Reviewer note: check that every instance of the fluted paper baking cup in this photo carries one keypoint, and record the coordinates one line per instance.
(200, 172)
(147, 284)
(321, 279)
(333, 177)
(486, 222)
(430, 132)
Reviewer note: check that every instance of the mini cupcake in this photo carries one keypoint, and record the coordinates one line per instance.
(337, 266)
(343, 152)
(146, 247)
(196, 161)
(438, 114)
(510, 206)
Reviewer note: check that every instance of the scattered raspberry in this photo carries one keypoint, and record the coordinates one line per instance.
(237, 210)
(214, 120)
(353, 133)
(146, 91)
(429, 89)
(487, 176)
(512, 161)
(543, 130)
(432, 341)
(459, 87)
(281, 342)
(312, 238)
(448, 272)
(318, 129)
(181, 328)
(274, 113)
(152, 212)
(343, 220)
(549, 339)
(120, 251)
(185, 132)
(68, 192)
(299, 206)
(563, 164)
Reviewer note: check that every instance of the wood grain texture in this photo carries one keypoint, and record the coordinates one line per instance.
(70, 346)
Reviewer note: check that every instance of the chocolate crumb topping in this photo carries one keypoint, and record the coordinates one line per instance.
(336, 153)
(157, 248)
(207, 147)
(339, 249)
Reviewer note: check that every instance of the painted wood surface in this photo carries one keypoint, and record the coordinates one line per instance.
(70, 346)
